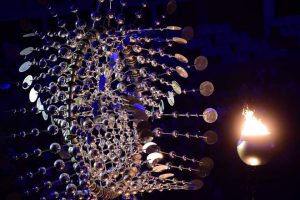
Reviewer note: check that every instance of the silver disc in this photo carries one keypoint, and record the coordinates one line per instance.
(45, 115)
(161, 106)
(181, 58)
(27, 82)
(210, 115)
(29, 35)
(182, 72)
(173, 28)
(27, 51)
(165, 176)
(25, 66)
(179, 40)
(33, 95)
(201, 63)
(171, 99)
(176, 87)
(160, 168)
(39, 105)
(206, 88)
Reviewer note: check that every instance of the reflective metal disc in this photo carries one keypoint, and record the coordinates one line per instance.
(181, 58)
(161, 106)
(160, 168)
(188, 32)
(27, 82)
(196, 184)
(33, 95)
(176, 87)
(173, 28)
(26, 51)
(206, 88)
(171, 99)
(25, 66)
(201, 63)
(182, 72)
(210, 115)
(39, 105)
(45, 115)
(29, 35)
(180, 40)
(154, 158)
(165, 176)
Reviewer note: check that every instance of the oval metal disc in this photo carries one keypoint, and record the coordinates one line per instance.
(201, 63)
(39, 105)
(176, 87)
(161, 106)
(154, 157)
(165, 176)
(188, 32)
(27, 82)
(33, 95)
(206, 88)
(174, 28)
(171, 99)
(29, 35)
(45, 115)
(182, 72)
(181, 58)
(180, 40)
(27, 51)
(25, 66)
(160, 168)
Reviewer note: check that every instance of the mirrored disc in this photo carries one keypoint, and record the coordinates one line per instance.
(179, 40)
(160, 168)
(182, 72)
(29, 35)
(170, 98)
(26, 51)
(206, 88)
(161, 106)
(165, 176)
(201, 63)
(147, 145)
(196, 184)
(188, 33)
(181, 58)
(27, 82)
(39, 105)
(25, 66)
(173, 28)
(33, 95)
(154, 158)
(210, 115)
(45, 115)
(171, 7)
(176, 87)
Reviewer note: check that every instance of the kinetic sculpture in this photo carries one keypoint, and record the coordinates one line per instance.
(101, 88)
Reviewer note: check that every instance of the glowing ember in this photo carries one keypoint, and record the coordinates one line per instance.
(252, 125)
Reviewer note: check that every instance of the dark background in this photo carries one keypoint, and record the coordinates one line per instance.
(253, 47)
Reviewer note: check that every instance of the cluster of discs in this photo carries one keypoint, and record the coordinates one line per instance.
(101, 91)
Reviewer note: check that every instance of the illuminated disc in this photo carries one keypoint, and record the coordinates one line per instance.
(181, 58)
(210, 137)
(39, 105)
(154, 158)
(171, 7)
(180, 40)
(165, 176)
(201, 63)
(161, 106)
(25, 66)
(176, 87)
(33, 95)
(182, 72)
(170, 98)
(188, 32)
(27, 82)
(160, 168)
(173, 28)
(26, 51)
(210, 115)
(147, 145)
(45, 115)
(29, 35)
(206, 88)
(196, 184)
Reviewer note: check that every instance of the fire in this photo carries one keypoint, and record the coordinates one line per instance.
(253, 126)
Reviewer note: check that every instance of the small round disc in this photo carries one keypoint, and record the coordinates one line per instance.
(181, 58)
(176, 87)
(26, 51)
(188, 33)
(173, 28)
(210, 115)
(206, 88)
(180, 40)
(201, 63)
(160, 168)
(33, 95)
(25, 66)
(182, 72)
(165, 176)
(27, 82)
(210, 137)
(171, 99)
(161, 106)
(196, 184)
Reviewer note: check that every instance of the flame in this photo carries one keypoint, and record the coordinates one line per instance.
(253, 126)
